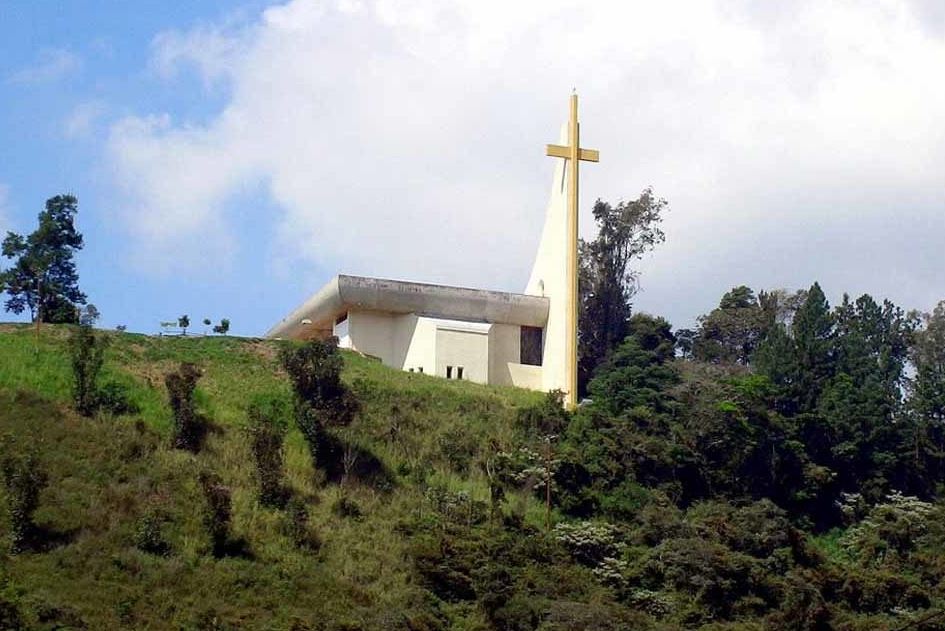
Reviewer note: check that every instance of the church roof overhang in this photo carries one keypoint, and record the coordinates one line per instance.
(317, 315)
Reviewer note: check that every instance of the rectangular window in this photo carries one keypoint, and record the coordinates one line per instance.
(531, 342)
(449, 372)
(459, 372)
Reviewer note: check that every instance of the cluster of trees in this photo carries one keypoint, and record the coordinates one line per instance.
(43, 279)
(780, 466)
(183, 323)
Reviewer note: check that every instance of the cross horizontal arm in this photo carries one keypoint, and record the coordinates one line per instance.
(588, 155)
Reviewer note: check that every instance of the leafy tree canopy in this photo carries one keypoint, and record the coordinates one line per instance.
(43, 278)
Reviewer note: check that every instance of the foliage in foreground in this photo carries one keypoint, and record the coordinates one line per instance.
(656, 523)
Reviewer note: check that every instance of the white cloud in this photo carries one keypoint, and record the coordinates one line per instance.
(83, 118)
(51, 64)
(406, 139)
(211, 50)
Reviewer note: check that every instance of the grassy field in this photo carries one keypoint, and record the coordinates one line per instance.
(109, 477)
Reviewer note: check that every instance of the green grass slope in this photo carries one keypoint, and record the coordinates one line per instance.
(109, 476)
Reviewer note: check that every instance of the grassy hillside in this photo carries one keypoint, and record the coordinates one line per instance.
(120, 538)
(110, 477)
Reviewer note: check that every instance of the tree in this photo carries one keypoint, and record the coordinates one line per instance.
(732, 331)
(607, 283)
(639, 372)
(183, 322)
(89, 315)
(43, 278)
(800, 359)
(924, 430)
(87, 353)
(223, 327)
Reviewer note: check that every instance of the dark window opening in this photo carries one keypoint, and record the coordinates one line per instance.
(531, 342)
(459, 372)
(449, 372)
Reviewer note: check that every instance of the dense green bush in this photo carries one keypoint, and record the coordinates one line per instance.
(23, 479)
(115, 398)
(189, 427)
(267, 428)
(218, 512)
(149, 536)
(87, 352)
(322, 400)
(297, 526)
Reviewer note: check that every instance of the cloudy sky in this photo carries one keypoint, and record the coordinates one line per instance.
(231, 156)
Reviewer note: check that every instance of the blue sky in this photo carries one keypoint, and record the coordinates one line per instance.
(229, 157)
(61, 60)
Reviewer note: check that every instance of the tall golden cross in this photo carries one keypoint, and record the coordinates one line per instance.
(574, 154)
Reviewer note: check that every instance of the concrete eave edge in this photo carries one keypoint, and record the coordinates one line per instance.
(393, 296)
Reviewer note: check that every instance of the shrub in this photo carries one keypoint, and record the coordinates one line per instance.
(267, 428)
(322, 400)
(87, 353)
(10, 617)
(890, 531)
(113, 398)
(588, 542)
(222, 328)
(297, 526)
(457, 448)
(148, 536)
(344, 506)
(189, 427)
(218, 513)
(23, 480)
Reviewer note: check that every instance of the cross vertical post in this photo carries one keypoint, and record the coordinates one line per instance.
(573, 153)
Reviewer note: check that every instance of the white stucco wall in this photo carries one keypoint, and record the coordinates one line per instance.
(488, 353)
(340, 330)
(468, 349)
(504, 349)
(372, 333)
(416, 339)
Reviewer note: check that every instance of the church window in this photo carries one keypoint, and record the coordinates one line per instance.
(531, 342)
(459, 372)
(449, 372)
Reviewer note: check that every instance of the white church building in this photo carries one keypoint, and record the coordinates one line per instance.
(495, 337)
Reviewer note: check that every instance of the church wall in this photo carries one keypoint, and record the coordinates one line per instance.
(505, 369)
(504, 348)
(372, 333)
(488, 353)
(415, 340)
(468, 349)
